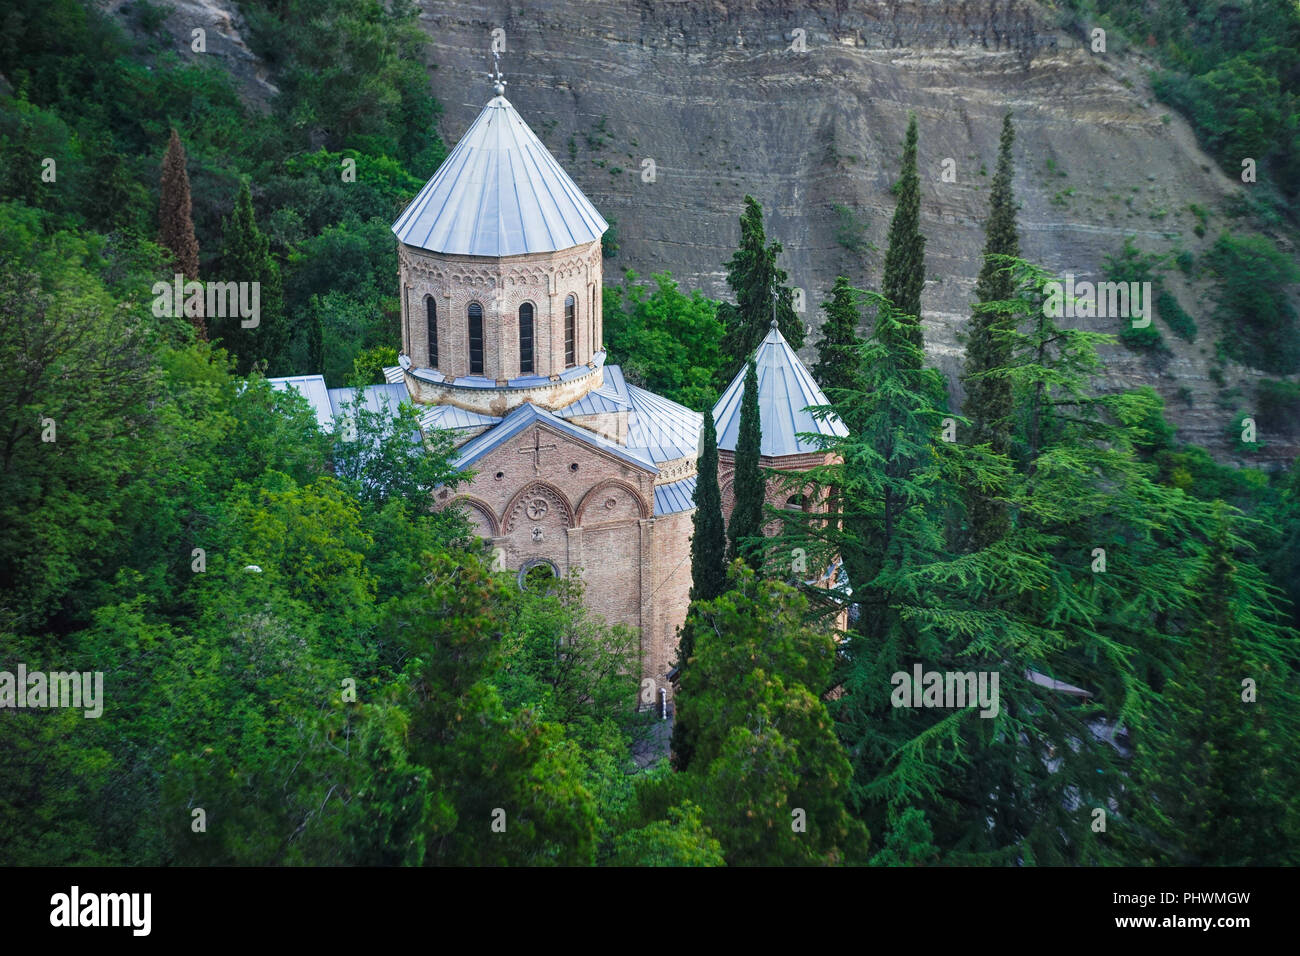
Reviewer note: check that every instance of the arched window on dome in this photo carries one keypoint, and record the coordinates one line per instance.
(431, 312)
(526, 339)
(570, 324)
(475, 339)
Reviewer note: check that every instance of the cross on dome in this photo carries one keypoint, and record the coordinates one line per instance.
(498, 81)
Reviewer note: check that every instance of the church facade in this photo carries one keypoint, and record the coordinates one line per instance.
(574, 469)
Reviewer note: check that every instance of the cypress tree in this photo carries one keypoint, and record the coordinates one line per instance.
(988, 396)
(754, 277)
(246, 257)
(904, 273)
(708, 569)
(838, 353)
(175, 220)
(709, 542)
(750, 489)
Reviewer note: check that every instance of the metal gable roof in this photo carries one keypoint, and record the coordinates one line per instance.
(499, 193)
(528, 414)
(785, 390)
(675, 496)
(665, 429)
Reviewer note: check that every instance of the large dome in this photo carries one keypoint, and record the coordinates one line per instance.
(499, 193)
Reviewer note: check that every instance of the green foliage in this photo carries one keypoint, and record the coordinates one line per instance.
(664, 340)
(1230, 68)
(759, 286)
(768, 771)
(851, 230)
(745, 529)
(1258, 319)
(497, 765)
(1207, 761)
(246, 259)
(350, 71)
(837, 352)
(1279, 404)
(988, 396)
(102, 109)
(680, 840)
(1182, 324)
(382, 457)
(708, 568)
(904, 273)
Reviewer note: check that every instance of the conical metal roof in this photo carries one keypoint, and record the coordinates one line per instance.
(785, 390)
(499, 193)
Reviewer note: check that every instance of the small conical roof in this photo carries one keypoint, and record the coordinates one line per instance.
(499, 193)
(785, 389)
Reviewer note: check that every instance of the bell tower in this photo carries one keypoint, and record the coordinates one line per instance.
(500, 265)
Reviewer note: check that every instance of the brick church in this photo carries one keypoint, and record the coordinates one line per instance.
(575, 468)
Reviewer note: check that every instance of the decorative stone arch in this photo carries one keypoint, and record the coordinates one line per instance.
(522, 575)
(481, 508)
(537, 489)
(595, 496)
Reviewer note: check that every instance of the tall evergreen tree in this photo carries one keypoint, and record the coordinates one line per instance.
(175, 219)
(988, 394)
(708, 568)
(746, 526)
(1206, 767)
(839, 352)
(755, 279)
(904, 272)
(709, 542)
(246, 257)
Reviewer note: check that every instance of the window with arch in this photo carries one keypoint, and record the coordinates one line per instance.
(526, 339)
(475, 339)
(796, 503)
(431, 312)
(570, 324)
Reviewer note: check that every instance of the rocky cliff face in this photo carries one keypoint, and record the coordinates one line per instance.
(804, 105)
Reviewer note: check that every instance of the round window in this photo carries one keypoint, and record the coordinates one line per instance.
(538, 576)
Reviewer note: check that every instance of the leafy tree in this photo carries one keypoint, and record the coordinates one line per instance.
(768, 771)
(492, 765)
(761, 294)
(1252, 302)
(682, 839)
(749, 487)
(664, 340)
(68, 451)
(381, 455)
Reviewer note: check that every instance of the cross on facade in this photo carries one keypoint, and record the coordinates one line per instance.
(536, 451)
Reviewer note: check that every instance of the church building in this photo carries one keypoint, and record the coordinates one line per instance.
(574, 468)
